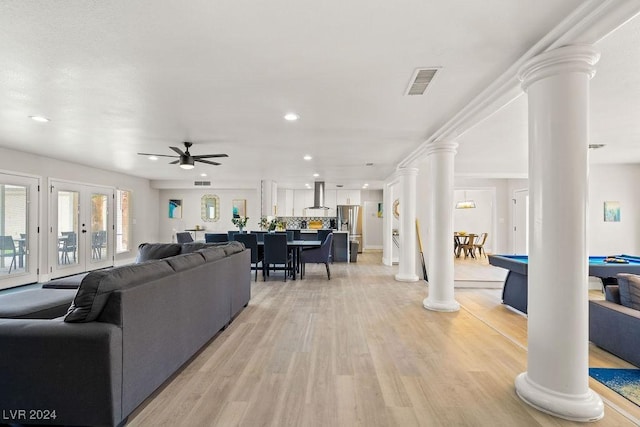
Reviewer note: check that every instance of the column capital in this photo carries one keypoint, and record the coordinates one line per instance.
(447, 146)
(566, 59)
(406, 171)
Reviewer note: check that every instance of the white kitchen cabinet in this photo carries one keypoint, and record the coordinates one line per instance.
(285, 202)
(330, 201)
(347, 197)
(302, 199)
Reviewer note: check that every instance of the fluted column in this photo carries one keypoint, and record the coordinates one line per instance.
(440, 228)
(407, 258)
(557, 378)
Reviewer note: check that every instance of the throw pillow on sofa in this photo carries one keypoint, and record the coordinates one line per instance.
(629, 287)
(96, 287)
(148, 251)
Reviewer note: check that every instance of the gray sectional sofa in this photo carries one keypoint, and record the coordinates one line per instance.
(128, 329)
(614, 323)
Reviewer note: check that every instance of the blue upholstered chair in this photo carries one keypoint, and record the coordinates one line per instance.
(322, 234)
(230, 234)
(296, 234)
(276, 254)
(319, 255)
(250, 241)
(259, 235)
(184, 237)
(8, 250)
(216, 237)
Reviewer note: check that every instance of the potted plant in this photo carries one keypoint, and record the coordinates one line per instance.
(268, 224)
(240, 222)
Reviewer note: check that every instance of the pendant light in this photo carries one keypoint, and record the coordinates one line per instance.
(466, 203)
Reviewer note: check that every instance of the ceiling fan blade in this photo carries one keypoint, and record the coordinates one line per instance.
(177, 150)
(206, 161)
(208, 156)
(157, 155)
(175, 162)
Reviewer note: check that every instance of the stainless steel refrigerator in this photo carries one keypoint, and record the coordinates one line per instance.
(350, 220)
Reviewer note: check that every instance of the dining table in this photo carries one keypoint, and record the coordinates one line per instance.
(296, 246)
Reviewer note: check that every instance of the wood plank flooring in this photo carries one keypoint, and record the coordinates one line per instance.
(359, 350)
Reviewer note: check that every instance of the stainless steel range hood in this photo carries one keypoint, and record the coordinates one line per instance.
(318, 196)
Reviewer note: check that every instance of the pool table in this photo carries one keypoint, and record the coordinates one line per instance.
(514, 292)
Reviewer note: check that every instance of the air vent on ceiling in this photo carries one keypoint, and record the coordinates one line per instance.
(422, 77)
(596, 146)
(201, 183)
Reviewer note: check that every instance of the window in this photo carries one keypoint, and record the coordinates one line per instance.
(123, 216)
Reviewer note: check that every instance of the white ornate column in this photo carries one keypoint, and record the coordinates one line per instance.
(557, 379)
(440, 228)
(407, 259)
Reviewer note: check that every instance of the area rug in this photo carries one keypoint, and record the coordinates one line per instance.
(625, 382)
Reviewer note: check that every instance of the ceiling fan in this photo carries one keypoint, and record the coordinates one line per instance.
(185, 159)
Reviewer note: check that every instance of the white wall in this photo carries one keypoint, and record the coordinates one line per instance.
(144, 198)
(372, 225)
(191, 210)
(614, 183)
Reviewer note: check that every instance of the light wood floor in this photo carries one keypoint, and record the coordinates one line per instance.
(360, 350)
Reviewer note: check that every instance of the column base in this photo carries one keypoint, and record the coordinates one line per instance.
(446, 306)
(406, 278)
(387, 261)
(583, 408)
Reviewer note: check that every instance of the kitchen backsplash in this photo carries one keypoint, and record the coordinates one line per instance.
(295, 222)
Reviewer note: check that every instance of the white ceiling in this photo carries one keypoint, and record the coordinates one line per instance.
(121, 77)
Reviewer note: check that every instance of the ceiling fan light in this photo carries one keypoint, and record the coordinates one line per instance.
(186, 162)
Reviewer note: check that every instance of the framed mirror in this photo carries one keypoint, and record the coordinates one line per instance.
(210, 208)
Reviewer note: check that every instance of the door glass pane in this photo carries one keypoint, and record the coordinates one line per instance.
(68, 218)
(13, 229)
(123, 199)
(99, 204)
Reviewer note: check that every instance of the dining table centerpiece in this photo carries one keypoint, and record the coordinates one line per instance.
(240, 222)
(268, 223)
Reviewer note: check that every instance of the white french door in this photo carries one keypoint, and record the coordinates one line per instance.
(521, 222)
(18, 230)
(81, 232)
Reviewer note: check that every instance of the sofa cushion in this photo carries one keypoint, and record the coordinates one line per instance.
(233, 248)
(184, 262)
(98, 285)
(149, 251)
(212, 254)
(69, 282)
(191, 247)
(612, 293)
(629, 286)
(36, 303)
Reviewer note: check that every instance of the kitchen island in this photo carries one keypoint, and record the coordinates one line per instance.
(340, 243)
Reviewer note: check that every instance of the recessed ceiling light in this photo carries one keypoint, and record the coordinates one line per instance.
(152, 158)
(307, 157)
(315, 175)
(203, 174)
(291, 117)
(39, 119)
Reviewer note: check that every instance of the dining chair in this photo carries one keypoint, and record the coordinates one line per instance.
(467, 247)
(8, 249)
(216, 237)
(250, 241)
(319, 255)
(277, 255)
(230, 234)
(296, 234)
(479, 245)
(184, 237)
(259, 235)
(322, 235)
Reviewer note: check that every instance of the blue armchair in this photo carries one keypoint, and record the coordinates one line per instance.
(319, 255)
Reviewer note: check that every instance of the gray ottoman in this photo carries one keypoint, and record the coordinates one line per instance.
(36, 303)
